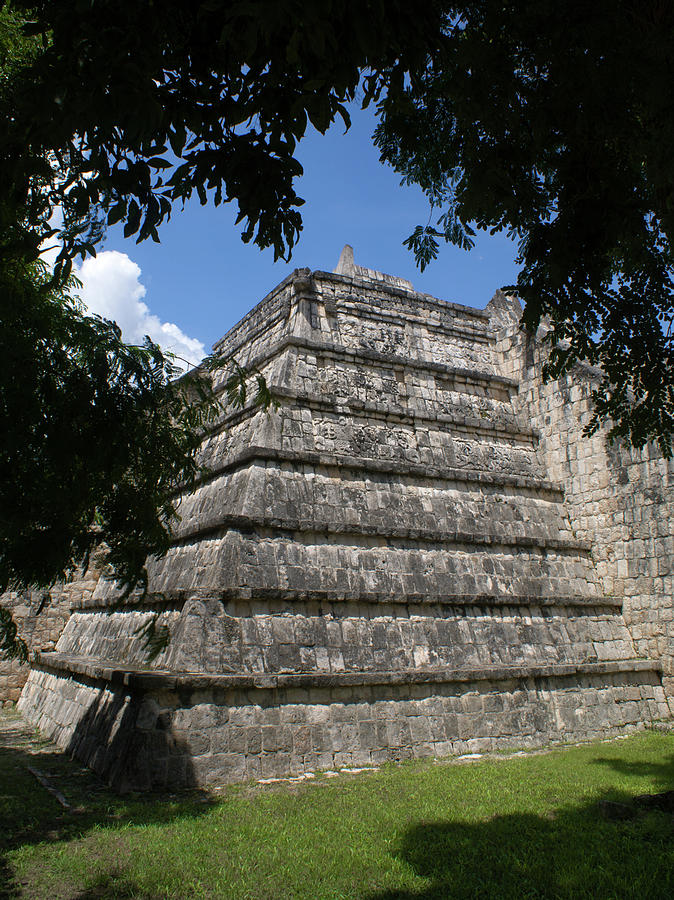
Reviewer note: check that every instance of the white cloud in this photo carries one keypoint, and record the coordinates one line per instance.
(111, 287)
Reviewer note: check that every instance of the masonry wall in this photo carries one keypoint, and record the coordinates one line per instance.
(40, 617)
(417, 553)
(153, 731)
(618, 498)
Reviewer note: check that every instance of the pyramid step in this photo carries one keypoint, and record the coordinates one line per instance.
(143, 730)
(349, 364)
(368, 568)
(455, 423)
(355, 502)
(335, 602)
(362, 442)
(236, 457)
(142, 678)
(235, 637)
(502, 539)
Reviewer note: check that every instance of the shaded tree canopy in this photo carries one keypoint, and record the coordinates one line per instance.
(112, 112)
(143, 104)
(96, 436)
(555, 122)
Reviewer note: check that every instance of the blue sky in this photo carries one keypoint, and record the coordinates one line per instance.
(202, 278)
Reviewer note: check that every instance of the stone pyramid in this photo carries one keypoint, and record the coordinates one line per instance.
(380, 568)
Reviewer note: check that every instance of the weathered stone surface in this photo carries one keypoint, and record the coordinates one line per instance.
(205, 735)
(417, 553)
(40, 616)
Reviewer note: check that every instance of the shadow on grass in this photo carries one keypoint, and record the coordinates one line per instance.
(661, 773)
(31, 815)
(616, 847)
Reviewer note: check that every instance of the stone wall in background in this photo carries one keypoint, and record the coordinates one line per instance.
(618, 497)
(40, 617)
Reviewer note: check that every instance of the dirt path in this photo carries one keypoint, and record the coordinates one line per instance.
(53, 771)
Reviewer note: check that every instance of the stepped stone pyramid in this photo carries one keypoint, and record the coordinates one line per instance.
(380, 568)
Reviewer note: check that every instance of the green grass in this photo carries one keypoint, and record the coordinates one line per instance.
(505, 828)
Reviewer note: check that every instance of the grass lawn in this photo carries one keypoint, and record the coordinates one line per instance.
(522, 827)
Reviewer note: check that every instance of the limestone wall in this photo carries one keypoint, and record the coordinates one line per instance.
(158, 731)
(41, 616)
(337, 638)
(619, 498)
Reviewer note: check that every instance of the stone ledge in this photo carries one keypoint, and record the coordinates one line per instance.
(138, 678)
(470, 425)
(255, 453)
(476, 376)
(417, 298)
(250, 327)
(353, 355)
(287, 527)
(485, 603)
(301, 275)
(463, 330)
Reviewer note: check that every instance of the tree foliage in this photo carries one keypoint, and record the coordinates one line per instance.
(110, 112)
(551, 121)
(97, 436)
(555, 122)
(143, 104)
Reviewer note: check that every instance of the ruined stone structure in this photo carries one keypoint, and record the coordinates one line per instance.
(41, 616)
(416, 554)
(41, 623)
